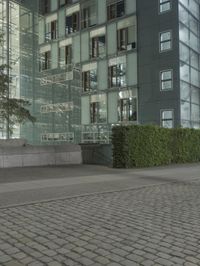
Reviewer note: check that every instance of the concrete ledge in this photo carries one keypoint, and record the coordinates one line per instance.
(39, 155)
(12, 142)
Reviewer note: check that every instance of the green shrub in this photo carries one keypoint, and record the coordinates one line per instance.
(185, 145)
(144, 146)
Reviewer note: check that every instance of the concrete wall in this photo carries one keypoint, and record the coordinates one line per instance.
(151, 61)
(100, 154)
(40, 155)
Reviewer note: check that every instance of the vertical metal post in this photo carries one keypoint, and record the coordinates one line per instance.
(8, 60)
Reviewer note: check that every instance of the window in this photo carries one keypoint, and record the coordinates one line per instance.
(165, 41)
(45, 61)
(126, 39)
(166, 80)
(127, 109)
(51, 30)
(88, 14)
(65, 55)
(47, 6)
(89, 79)
(167, 117)
(98, 46)
(164, 5)
(117, 75)
(94, 107)
(98, 109)
(115, 9)
(97, 112)
(72, 23)
(66, 2)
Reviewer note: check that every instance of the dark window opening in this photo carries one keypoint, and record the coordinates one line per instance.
(98, 46)
(115, 9)
(72, 23)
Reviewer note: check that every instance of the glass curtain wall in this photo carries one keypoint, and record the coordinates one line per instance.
(14, 52)
(21, 21)
(58, 96)
(189, 21)
(3, 53)
(75, 101)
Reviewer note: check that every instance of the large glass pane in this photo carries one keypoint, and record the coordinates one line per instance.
(195, 113)
(195, 94)
(185, 91)
(184, 72)
(183, 34)
(183, 15)
(194, 77)
(185, 110)
(184, 53)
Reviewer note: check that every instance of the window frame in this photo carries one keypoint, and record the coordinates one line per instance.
(87, 80)
(169, 40)
(113, 69)
(46, 64)
(86, 15)
(114, 6)
(95, 47)
(162, 120)
(73, 23)
(127, 42)
(51, 30)
(165, 80)
(130, 108)
(47, 7)
(161, 4)
(68, 55)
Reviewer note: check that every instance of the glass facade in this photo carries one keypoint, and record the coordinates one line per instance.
(21, 54)
(88, 71)
(189, 35)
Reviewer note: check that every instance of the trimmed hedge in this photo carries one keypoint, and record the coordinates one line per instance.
(144, 146)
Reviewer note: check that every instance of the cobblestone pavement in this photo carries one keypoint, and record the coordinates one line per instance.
(153, 225)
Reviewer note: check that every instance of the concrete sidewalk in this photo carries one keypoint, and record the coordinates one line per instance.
(179, 171)
(32, 184)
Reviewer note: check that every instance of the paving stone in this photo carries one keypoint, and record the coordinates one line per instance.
(164, 262)
(163, 255)
(102, 260)
(36, 263)
(114, 257)
(89, 254)
(177, 260)
(129, 263)
(120, 252)
(49, 252)
(189, 264)
(54, 263)
(193, 260)
(135, 258)
(102, 252)
(113, 264)
(85, 261)
(5, 258)
(13, 263)
(148, 263)
(128, 228)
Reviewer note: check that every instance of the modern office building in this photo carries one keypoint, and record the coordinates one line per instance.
(88, 65)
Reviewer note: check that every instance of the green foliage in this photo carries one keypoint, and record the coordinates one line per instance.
(186, 145)
(144, 146)
(121, 150)
(12, 110)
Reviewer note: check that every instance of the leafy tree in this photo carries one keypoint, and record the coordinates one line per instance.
(12, 110)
